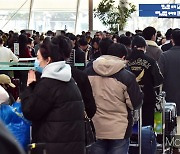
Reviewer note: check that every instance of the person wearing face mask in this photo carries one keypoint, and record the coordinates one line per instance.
(54, 103)
(148, 76)
(37, 66)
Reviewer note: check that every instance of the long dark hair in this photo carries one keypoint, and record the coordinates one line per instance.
(23, 49)
(59, 49)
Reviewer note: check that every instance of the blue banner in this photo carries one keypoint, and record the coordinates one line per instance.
(159, 10)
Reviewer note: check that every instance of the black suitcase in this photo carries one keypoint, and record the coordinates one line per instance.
(170, 118)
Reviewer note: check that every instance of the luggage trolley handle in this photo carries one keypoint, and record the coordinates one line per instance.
(138, 118)
(37, 145)
(140, 130)
(163, 95)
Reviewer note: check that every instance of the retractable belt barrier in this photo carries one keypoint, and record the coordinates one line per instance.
(12, 66)
(16, 66)
(23, 64)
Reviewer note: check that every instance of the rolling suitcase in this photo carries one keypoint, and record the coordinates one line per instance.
(165, 124)
(170, 119)
(148, 145)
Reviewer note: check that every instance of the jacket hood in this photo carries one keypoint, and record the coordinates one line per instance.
(107, 65)
(57, 70)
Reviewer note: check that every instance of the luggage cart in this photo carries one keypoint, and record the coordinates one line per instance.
(162, 147)
(138, 113)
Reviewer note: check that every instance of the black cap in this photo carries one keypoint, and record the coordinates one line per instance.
(138, 41)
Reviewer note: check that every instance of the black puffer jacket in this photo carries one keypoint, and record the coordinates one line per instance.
(57, 113)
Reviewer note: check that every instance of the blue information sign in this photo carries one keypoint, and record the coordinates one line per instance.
(159, 10)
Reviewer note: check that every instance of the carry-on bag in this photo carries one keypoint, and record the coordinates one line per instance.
(170, 119)
(149, 144)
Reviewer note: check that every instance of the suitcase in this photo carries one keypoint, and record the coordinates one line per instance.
(149, 143)
(165, 122)
(170, 119)
(143, 139)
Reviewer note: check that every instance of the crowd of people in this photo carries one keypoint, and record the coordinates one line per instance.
(119, 74)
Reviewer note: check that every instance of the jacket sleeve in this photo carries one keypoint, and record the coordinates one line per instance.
(159, 53)
(84, 85)
(14, 57)
(161, 63)
(157, 75)
(34, 102)
(88, 98)
(135, 94)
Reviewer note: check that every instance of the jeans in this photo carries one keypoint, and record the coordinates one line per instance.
(108, 146)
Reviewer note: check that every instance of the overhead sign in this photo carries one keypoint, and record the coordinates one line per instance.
(159, 10)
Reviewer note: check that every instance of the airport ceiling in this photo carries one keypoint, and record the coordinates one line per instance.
(38, 4)
(63, 4)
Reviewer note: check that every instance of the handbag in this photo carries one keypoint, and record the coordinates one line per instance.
(90, 136)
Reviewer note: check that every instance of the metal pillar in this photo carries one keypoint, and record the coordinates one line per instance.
(77, 14)
(30, 12)
(90, 15)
